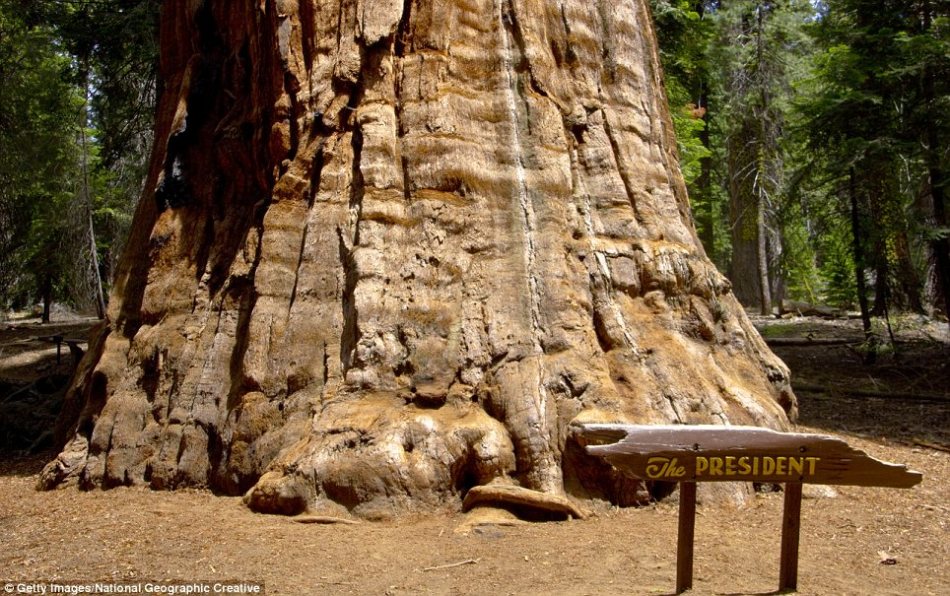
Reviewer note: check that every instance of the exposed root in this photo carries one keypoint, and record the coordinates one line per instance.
(522, 498)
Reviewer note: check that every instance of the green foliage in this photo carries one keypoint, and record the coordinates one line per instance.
(115, 46)
(77, 90)
(837, 268)
(800, 98)
(799, 268)
(39, 113)
(689, 126)
(877, 95)
(683, 35)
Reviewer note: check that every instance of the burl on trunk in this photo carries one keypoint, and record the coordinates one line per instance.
(391, 250)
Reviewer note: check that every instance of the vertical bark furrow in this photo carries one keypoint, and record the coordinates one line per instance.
(541, 464)
(622, 169)
(599, 271)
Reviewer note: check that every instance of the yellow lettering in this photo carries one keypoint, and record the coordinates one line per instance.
(656, 467)
(662, 467)
(744, 467)
(796, 465)
(702, 464)
(659, 468)
(730, 465)
(676, 470)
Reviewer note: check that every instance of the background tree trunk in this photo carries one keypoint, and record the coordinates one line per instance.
(753, 164)
(857, 246)
(749, 263)
(46, 294)
(86, 195)
(396, 248)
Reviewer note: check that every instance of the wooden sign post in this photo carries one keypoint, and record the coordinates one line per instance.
(691, 454)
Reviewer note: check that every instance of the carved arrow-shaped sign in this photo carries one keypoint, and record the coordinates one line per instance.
(682, 453)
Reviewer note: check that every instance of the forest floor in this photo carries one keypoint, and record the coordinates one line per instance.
(853, 540)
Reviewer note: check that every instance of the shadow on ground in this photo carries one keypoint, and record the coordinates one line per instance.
(904, 395)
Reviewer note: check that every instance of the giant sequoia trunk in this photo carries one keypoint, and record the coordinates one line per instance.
(395, 248)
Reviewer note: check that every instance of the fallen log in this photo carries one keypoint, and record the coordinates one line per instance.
(931, 445)
(807, 341)
(896, 395)
(805, 309)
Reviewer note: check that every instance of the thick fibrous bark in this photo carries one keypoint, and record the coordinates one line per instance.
(396, 248)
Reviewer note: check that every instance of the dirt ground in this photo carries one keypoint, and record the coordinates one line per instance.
(853, 540)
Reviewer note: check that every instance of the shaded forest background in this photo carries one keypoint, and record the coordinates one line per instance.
(812, 135)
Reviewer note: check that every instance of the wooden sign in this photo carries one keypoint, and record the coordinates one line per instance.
(691, 454)
(739, 453)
